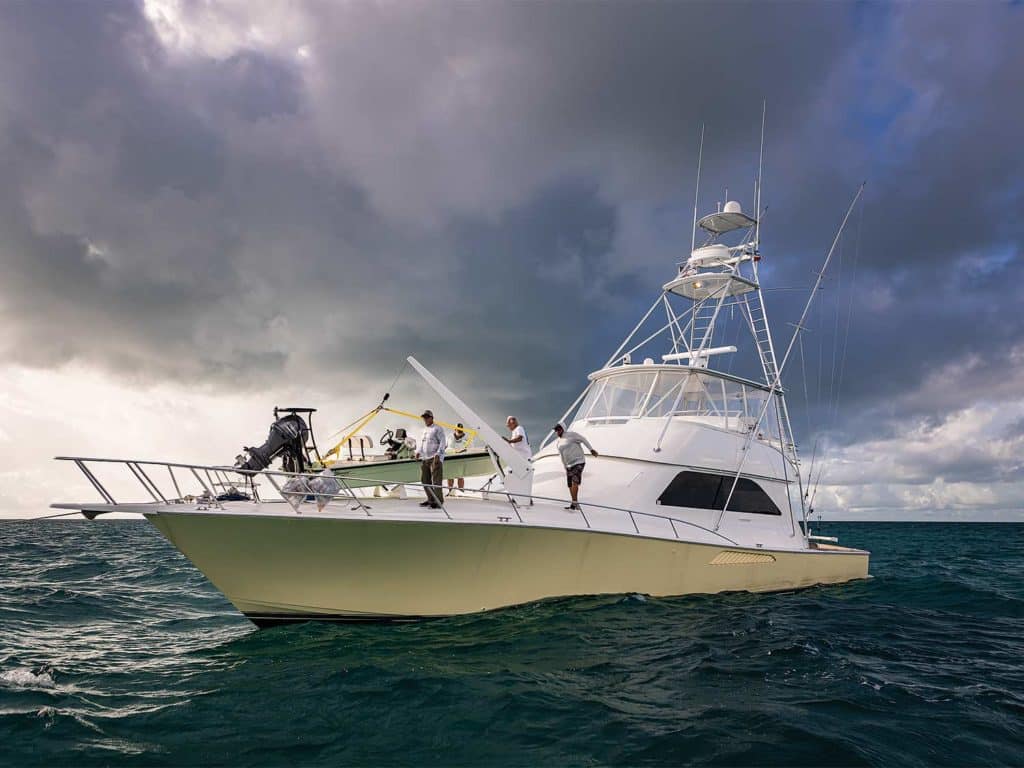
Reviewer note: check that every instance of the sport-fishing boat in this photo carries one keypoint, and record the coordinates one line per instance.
(696, 488)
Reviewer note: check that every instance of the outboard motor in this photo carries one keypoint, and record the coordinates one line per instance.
(287, 439)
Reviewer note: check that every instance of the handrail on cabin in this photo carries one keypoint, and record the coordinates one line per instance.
(221, 472)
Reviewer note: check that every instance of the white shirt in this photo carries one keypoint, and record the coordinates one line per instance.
(570, 446)
(432, 442)
(458, 444)
(523, 446)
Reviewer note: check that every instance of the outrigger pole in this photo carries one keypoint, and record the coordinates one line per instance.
(785, 358)
(517, 472)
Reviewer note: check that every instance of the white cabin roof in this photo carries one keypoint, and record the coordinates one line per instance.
(725, 221)
(681, 370)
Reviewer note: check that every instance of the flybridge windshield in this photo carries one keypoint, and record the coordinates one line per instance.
(677, 391)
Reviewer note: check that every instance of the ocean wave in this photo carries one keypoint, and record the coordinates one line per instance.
(113, 648)
(27, 678)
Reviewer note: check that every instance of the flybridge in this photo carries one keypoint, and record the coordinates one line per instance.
(720, 280)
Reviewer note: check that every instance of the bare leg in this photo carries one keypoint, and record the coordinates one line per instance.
(574, 491)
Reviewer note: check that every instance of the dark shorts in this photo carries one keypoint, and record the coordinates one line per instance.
(574, 475)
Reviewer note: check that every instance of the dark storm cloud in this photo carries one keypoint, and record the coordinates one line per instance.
(485, 185)
(940, 249)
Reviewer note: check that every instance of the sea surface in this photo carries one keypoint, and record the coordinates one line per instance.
(115, 651)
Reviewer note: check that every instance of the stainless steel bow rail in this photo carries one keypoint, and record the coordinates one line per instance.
(210, 478)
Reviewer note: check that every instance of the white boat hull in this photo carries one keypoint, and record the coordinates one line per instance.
(281, 568)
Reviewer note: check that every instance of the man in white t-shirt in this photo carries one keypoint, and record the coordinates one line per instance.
(457, 443)
(570, 448)
(518, 439)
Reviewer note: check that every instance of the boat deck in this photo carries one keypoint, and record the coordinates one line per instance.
(401, 502)
(471, 508)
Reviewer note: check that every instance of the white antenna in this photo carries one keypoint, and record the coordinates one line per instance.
(696, 193)
(760, 164)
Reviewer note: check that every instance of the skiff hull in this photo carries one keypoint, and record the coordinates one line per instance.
(278, 569)
(374, 473)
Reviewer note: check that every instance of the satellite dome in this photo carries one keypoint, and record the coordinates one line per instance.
(729, 218)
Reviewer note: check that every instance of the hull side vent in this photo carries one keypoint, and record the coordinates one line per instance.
(742, 558)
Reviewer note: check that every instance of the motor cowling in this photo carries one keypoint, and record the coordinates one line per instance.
(287, 439)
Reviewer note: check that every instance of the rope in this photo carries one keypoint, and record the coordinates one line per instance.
(384, 399)
(849, 311)
(50, 517)
(347, 426)
(834, 405)
(395, 381)
(807, 396)
(835, 338)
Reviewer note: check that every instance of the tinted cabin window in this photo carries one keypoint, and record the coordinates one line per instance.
(703, 490)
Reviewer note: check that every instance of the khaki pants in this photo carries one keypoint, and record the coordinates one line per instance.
(431, 475)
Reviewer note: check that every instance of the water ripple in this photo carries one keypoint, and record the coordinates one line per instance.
(114, 649)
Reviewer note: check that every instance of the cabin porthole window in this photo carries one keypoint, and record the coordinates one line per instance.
(707, 490)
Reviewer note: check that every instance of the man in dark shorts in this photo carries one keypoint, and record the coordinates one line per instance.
(570, 447)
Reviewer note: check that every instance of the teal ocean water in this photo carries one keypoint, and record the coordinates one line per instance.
(115, 651)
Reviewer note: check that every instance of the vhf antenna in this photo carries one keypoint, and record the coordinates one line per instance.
(760, 165)
(696, 193)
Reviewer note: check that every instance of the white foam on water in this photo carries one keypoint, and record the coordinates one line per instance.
(26, 678)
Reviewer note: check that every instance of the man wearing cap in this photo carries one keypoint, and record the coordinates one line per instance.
(430, 452)
(570, 447)
(517, 438)
(457, 443)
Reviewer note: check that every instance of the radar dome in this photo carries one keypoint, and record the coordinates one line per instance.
(732, 207)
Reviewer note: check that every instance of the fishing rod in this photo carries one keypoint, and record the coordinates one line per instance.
(774, 387)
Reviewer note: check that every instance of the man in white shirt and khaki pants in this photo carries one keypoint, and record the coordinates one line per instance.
(430, 452)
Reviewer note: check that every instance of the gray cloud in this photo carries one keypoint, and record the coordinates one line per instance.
(500, 188)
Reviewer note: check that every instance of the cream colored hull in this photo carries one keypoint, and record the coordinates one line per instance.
(282, 568)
